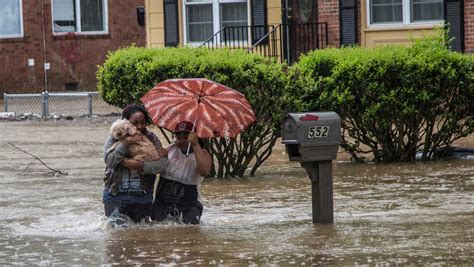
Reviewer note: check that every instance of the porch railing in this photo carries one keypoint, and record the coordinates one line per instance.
(284, 42)
(236, 36)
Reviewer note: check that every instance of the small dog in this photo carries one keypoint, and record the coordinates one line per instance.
(140, 147)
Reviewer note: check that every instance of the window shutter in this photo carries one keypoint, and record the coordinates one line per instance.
(259, 19)
(141, 15)
(348, 22)
(454, 17)
(170, 8)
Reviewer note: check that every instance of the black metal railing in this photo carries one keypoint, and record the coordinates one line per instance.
(284, 42)
(302, 38)
(235, 37)
(269, 44)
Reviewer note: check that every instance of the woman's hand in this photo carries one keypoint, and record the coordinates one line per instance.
(163, 153)
(193, 139)
(133, 164)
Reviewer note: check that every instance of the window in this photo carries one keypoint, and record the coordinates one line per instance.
(405, 11)
(386, 11)
(234, 15)
(11, 18)
(199, 20)
(82, 16)
(203, 18)
(426, 10)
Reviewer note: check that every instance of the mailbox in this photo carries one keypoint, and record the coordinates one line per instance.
(311, 136)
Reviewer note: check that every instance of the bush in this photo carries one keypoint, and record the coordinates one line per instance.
(129, 73)
(394, 100)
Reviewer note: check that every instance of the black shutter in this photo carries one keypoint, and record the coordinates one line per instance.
(259, 19)
(454, 17)
(170, 8)
(348, 22)
(141, 15)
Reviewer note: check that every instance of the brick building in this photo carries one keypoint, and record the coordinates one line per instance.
(57, 44)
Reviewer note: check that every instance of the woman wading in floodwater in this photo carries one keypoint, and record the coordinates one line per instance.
(129, 183)
(177, 195)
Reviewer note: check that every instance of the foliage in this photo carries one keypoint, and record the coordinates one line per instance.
(395, 100)
(129, 73)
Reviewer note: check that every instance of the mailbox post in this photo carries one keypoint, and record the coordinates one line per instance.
(312, 138)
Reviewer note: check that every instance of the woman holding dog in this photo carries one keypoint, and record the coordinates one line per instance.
(129, 183)
(177, 193)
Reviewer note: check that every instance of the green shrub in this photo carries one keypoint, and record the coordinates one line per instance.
(393, 100)
(129, 73)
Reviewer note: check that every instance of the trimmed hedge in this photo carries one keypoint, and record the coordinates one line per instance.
(393, 100)
(129, 73)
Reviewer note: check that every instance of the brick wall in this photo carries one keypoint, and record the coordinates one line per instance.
(73, 58)
(469, 26)
(329, 13)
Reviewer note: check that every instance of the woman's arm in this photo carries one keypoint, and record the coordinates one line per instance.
(155, 167)
(203, 159)
(116, 156)
(147, 167)
(151, 167)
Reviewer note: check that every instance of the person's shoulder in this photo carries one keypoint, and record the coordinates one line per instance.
(111, 138)
(150, 133)
(152, 136)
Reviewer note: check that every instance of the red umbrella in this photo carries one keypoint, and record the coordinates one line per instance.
(216, 109)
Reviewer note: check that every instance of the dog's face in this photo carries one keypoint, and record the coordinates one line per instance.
(122, 128)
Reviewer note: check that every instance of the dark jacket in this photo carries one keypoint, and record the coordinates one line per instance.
(115, 172)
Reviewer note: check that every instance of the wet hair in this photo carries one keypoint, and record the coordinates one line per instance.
(134, 108)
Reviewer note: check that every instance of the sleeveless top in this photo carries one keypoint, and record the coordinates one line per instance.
(181, 168)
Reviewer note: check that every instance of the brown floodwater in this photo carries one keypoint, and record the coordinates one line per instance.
(410, 213)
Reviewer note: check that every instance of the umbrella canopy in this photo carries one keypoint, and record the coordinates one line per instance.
(216, 110)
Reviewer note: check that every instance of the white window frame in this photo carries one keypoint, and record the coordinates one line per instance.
(406, 16)
(79, 31)
(216, 21)
(18, 35)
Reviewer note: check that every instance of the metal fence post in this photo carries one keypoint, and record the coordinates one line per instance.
(44, 102)
(5, 102)
(90, 103)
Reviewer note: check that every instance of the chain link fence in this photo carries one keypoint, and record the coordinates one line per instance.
(49, 104)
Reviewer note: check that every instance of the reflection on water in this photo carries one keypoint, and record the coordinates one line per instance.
(396, 213)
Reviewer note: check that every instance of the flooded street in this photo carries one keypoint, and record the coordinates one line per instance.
(416, 213)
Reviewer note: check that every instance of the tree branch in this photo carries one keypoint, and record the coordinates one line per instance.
(54, 170)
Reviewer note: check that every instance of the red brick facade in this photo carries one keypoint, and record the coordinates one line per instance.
(469, 26)
(329, 12)
(73, 58)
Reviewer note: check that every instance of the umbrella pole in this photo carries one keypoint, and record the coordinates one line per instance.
(189, 143)
(194, 123)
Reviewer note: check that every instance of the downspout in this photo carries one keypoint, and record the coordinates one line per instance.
(45, 49)
(287, 31)
(284, 32)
